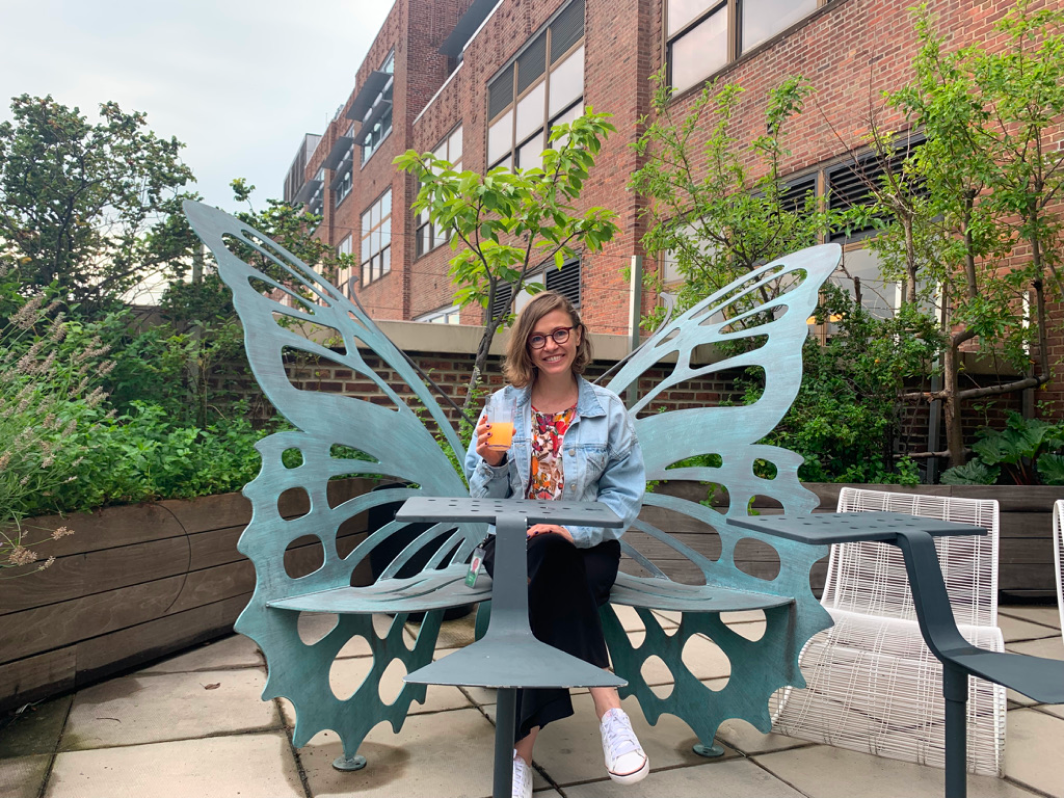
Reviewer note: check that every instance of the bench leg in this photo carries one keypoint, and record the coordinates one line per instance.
(711, 751)
(505, 721)
(955, 691)
(348, 763)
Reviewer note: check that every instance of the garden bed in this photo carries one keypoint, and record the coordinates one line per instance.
(134, 583)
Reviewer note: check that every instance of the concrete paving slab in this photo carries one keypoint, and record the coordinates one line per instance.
(821, 771)
(1057, 710)
(235, 651)
(1015, 630)
(1047, 616)
(445, 755)
(743, 737)
(735, 778)
(453, 634)
(348, 674)
(35, 730)
(702, 656)
(23, 776)
(1049, 647)
(1034, 750)
(255, 765)
(570, 751)
(313, 626)
(151, 708)
(1019, 699)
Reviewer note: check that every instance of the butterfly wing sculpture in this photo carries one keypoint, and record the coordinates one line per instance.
(279, 307)
(759, 323)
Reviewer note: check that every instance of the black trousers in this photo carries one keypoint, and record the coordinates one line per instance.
(566, 587)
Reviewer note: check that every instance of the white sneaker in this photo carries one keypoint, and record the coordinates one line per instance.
(522, 783)
(625, 760)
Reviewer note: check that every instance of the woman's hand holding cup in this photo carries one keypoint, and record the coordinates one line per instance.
(495, 432)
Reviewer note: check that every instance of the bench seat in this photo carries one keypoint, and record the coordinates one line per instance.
(663, 594)
(430, 590)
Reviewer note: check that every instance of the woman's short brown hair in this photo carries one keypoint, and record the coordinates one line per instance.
(518, 369)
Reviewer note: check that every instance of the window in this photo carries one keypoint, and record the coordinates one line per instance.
(705, 35)
(849, 184)
(377, 122)
(376, 260)
(343, 276)
(441, 316)
(541, 87)
(343, 180)
(317, 201)
(428, 238)
(566, 281)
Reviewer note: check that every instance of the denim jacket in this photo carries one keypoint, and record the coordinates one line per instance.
(600, 455)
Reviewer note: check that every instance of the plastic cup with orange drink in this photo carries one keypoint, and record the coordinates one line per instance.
(501, 423)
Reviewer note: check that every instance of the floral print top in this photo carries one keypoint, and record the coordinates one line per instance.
(547, 481)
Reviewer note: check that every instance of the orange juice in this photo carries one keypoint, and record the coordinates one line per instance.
(501, 435)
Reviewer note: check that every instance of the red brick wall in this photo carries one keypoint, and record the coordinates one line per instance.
(850, 50)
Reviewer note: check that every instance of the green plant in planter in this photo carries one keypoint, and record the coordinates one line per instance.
(1026, 452)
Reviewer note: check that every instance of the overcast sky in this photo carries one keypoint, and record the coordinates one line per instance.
(238, 81)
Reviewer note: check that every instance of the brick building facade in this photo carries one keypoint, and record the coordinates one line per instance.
(467, 79)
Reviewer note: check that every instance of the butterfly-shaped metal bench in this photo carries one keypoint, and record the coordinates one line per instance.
(768, 310)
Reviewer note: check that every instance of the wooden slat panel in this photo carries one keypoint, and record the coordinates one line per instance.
(1027, 576)
(1027, 525)
(36, 677)
(32, 631)
(107, 654)
(1030, 550)
(107, 528)
(215, 584)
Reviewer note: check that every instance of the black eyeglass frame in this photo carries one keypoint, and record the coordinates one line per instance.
(553, 334)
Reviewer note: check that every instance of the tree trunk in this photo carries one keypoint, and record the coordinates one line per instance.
(480, 363)
(951, 405)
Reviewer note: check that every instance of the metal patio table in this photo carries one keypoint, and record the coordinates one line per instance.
(1036, 677)
(508, 657)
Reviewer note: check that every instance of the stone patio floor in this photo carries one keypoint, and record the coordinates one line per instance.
(194, 726)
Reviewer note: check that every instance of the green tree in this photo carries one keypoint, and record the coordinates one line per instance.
(90, 210)
(990, 179)
(717, 205)
(510, 221)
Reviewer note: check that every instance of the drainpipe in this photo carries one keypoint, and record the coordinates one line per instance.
(635, 314)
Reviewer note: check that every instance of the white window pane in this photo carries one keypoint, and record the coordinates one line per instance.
(566, 82)
(454, 146)
(683, 11)
(564, 119)
(530, 154)
(765, 18)
(530, 112)
(386, 260)
(500, 137)
(365, 248)
(700, 52)
(441, 152)
(386, 231)
(374, 215)
(386, 205)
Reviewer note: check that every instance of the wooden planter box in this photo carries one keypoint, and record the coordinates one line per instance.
(1026, 568)
(135, 583)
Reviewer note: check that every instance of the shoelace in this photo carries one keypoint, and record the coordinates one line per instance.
(520, 769)
(620, 735)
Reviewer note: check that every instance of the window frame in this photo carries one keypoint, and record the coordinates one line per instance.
(509, 157)
(366, 264)
(733, 10)
(385, 123)
(426, 229)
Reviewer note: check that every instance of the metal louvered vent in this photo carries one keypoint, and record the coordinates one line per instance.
(501, 306)
(796, 192)
(532, 62)
(567, 29)
(566, 281)
(501, 92)
(849, 185)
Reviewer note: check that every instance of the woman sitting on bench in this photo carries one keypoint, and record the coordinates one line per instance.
(574, 441)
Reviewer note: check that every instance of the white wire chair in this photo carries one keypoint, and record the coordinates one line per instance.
(872, 683)
(1058, 555)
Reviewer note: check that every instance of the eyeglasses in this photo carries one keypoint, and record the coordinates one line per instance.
(560, 336)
